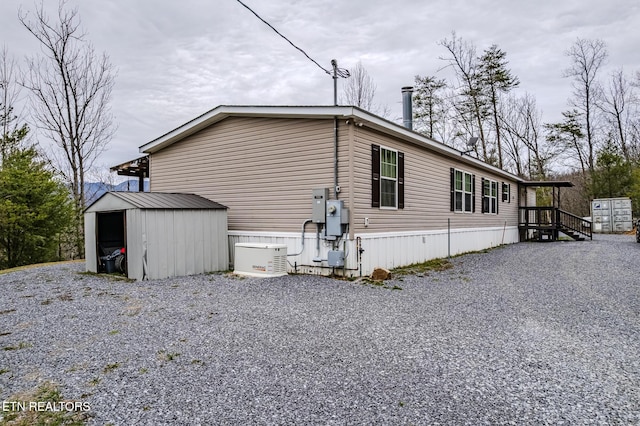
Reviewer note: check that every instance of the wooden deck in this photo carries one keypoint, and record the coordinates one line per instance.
(546, 224)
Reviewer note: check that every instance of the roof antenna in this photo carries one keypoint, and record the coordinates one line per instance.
(471, 145)
(337, 72)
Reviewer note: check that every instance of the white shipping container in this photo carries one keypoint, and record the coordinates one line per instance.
(612, 215)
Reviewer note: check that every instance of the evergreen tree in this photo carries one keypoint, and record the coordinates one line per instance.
(34, 209)
(429, 109)
(496, 78)
(568, 136)
(612, 174)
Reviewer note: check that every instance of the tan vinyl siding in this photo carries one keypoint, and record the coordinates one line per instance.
(427, 191)
(263, 169)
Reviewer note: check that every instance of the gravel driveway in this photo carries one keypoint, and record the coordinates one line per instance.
(534, 333)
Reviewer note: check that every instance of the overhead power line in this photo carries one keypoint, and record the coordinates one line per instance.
(290, 42)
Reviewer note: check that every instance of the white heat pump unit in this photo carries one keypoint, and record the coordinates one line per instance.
(260, 260)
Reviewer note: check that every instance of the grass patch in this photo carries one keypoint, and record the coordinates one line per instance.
(51, 409)
(21, 345)
(111, 367)
(423, 268)
(37, 265)
(378, 284)
(167, 356)
(4, 370)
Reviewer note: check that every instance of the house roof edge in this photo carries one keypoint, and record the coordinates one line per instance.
(221, 112)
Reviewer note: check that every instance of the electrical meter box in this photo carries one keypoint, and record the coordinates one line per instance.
(337, 218)
(319, 208)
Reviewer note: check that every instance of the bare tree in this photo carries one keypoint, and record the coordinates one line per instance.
(71, 88)
(515, 127)
(11, 133)
(587, 57)
(525, 146)
(619, 103)
(360, 90)
(472, 106)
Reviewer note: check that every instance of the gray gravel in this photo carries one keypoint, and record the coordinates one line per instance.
(534, 333)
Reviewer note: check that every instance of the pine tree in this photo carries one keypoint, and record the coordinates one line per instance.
(496, 79)
(34, 209)
(429, 110)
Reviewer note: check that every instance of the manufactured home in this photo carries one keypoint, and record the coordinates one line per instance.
(345, 190)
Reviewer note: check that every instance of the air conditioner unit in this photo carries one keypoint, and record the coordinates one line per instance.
(260, 260)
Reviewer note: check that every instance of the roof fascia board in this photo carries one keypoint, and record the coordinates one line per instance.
(221, 112)
(418, 139)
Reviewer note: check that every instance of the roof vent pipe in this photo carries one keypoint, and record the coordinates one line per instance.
(407, 110)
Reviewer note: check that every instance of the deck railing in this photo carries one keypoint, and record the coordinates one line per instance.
(551, 220)
(575, 223)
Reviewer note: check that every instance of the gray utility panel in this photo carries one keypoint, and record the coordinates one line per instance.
(335, 258)
(337, 218)
(611, 215)
(319, 209)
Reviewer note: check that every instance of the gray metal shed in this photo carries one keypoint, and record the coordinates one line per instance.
(164, 235)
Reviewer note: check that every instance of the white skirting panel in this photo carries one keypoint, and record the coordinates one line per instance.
(387, 250)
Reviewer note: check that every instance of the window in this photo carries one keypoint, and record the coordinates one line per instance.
(506, 192)
(489, 196)
(462, 191)
(387, 177)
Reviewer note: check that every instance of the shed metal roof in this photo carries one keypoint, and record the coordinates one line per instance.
(164, 200)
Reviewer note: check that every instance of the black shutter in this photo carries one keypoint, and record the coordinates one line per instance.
(473, 193)
(375, 176)
(484, 198)
(497, 203)
(401, 180)
(453, 189)
(509, 191)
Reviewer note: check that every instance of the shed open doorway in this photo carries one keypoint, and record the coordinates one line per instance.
(111, 236)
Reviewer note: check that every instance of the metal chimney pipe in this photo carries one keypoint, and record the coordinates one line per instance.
(407, 108)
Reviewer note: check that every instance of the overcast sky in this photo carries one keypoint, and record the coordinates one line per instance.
(178, 59)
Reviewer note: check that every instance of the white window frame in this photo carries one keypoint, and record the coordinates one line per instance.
(384, 149)
(491, 196)
(506, 192)
(467, 207)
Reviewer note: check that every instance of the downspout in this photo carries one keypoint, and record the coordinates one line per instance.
(336, 186)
